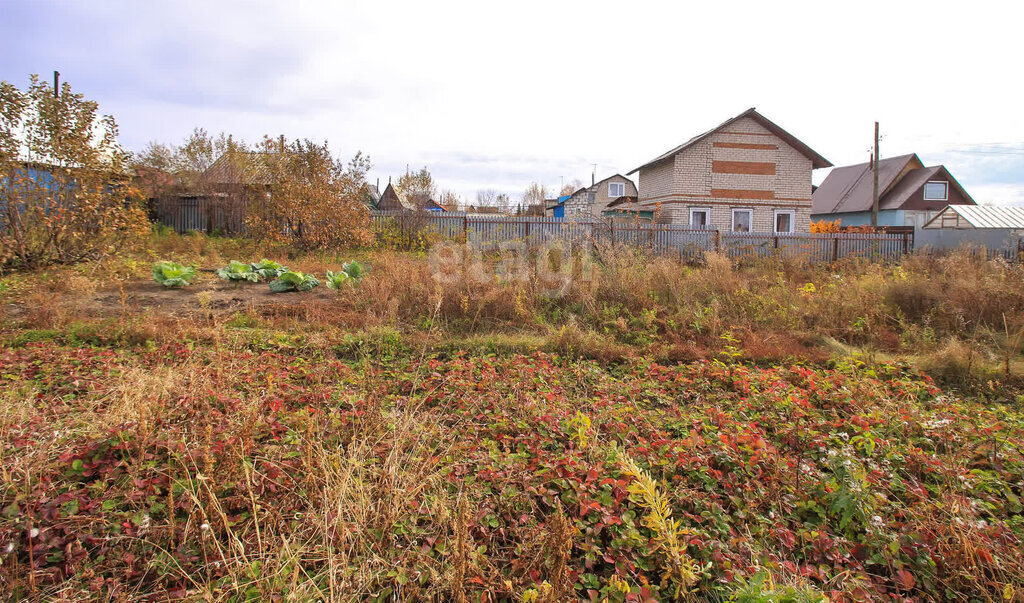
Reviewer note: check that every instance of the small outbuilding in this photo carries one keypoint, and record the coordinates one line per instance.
(997, 228)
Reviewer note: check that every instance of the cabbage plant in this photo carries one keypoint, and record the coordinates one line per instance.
(268, 269)
(237, 271)
(351, 273)
(293, 281)
(173, 274)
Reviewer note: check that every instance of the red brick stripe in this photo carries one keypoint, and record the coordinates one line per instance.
(760, 168)
(732, 193)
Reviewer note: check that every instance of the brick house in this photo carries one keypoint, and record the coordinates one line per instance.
(593, 200)
(746, 175)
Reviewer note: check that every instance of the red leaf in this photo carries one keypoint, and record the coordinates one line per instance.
(905, 579)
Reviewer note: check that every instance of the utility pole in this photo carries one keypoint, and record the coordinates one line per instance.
(874, 175)
(56, 87)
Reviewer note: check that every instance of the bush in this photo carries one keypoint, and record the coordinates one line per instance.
(73, 201)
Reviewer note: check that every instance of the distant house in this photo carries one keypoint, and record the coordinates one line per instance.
(593, 200)
(746, 174)
(909, 194)
(217, 201)
(393, 200)
(627, 209)
(993, 227)
(371, 195)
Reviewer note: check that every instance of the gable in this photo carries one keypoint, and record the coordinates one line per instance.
(745, 123)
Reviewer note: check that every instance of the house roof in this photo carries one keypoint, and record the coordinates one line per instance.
(850, 188)
(240, 167)
(625, 200)
(982, 216)
(390, 192)
(817, 161)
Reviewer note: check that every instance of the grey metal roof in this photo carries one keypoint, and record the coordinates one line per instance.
(986, 216)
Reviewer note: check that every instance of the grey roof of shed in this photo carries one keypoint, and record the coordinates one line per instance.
(817, 161)
(985, 216)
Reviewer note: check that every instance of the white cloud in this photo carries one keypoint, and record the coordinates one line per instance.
(496, 95)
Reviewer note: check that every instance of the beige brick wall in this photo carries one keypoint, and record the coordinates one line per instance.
(690, 180)
(582, 203)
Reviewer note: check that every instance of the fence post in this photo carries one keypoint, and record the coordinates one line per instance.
(718, 240)
(906, 243)
(835, 248)
(465, 228)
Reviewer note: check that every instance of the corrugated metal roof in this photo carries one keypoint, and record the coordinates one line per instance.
(988, 216)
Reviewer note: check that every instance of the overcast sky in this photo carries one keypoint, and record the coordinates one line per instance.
(496, 95)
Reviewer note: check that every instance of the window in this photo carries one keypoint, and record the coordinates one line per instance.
(936, 191)
(700, 217)
(742, 220)
(616, 189)
(784, 221)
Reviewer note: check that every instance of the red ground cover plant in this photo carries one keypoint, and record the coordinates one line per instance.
(188, 471)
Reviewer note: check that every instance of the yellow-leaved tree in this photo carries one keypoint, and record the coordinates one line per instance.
(304, 197)
(65, 186)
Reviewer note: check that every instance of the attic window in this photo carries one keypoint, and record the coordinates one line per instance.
(616, 189)
(936, 191)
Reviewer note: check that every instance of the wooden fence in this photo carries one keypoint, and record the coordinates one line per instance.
(491, 232)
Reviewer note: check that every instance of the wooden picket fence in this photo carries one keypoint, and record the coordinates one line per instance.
(492, 232)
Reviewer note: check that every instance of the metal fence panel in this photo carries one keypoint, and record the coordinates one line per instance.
(489, 232)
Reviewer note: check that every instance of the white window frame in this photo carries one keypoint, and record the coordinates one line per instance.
(611, 184)
(792, 221)
(749, 212)
(945, 188)
(707, 211)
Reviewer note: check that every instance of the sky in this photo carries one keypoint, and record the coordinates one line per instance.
(497, 95)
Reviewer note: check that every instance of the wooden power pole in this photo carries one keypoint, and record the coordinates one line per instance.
(874, 175)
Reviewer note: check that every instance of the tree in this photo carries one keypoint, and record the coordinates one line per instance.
(417, 184)
(571, 187)
(301, 195)
(449, 199)
(486, 197)
(65, 191)
(535, 194)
